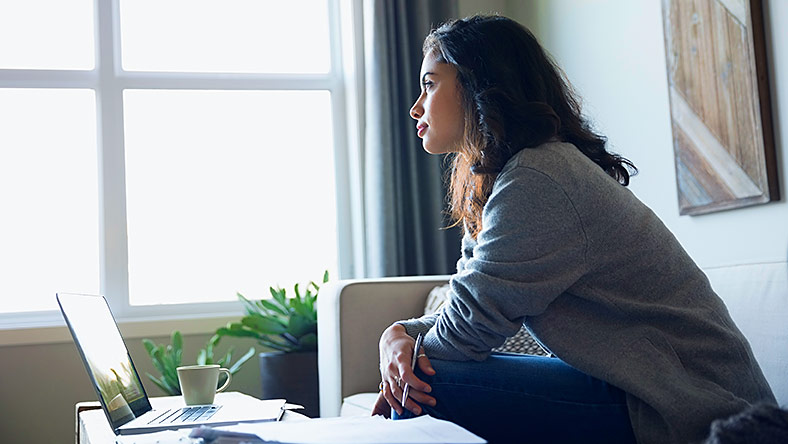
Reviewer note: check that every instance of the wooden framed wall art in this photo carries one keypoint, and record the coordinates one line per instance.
(719, 103)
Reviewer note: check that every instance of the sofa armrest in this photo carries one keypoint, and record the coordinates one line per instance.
(352, 314)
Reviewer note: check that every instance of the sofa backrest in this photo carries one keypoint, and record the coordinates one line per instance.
(757, 299)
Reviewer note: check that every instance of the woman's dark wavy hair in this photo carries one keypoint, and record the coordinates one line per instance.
(515, 97)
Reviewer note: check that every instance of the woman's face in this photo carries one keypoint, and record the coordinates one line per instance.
(438, 110)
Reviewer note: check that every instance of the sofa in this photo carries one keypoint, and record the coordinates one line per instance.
(353, 313)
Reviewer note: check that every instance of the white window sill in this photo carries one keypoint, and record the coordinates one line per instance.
(130, 329)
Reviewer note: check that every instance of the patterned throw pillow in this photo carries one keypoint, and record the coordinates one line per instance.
(522, 342)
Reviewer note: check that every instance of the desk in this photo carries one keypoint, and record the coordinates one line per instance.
(92, 426)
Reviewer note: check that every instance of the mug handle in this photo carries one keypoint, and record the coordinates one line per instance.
(227, 382)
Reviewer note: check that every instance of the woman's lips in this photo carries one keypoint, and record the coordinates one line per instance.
(421, 129)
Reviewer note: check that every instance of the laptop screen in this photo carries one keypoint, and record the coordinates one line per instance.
(106, 357)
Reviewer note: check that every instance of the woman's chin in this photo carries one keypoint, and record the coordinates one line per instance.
(432, 149)
(438, 150)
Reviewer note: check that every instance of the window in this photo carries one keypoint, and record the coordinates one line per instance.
(184, 154)
(48, 195)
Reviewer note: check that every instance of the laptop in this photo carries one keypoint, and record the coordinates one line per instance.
(118, 384)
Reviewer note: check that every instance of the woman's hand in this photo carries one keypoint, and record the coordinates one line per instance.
(396, 353)
(381, 407)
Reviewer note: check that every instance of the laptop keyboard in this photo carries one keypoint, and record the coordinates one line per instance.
(186, 414)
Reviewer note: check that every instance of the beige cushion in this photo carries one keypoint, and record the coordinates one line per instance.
(359, 404)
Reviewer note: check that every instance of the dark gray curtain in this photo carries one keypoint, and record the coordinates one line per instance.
(405, 203)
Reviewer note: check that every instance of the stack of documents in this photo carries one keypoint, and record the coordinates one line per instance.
(347, 430)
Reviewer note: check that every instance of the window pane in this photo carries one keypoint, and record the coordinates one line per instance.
(48, 196)
(46, 34)
(236, 36)
(227, 191)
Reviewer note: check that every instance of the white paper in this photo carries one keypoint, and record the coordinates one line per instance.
(360, 429)
(165, 437)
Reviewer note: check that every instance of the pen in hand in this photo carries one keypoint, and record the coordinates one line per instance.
(415, 358)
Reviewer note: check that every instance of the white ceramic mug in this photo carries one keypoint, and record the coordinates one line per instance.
(198, 383)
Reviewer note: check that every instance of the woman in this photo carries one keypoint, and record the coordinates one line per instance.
(644, 349)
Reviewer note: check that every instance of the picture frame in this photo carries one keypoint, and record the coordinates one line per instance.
(720, 106)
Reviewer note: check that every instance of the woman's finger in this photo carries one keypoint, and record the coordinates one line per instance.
(424, 364)
(421, 397)
(415, 383)
(396, 388)
(415, 398)
(393, 402)
(411, 405)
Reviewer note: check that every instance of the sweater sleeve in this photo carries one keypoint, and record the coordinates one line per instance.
(531, 249)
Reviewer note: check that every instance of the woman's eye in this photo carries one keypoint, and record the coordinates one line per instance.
(426, 84)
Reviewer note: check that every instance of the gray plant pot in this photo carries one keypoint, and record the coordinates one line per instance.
(292, 376)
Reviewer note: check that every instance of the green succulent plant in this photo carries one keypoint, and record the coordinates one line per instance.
(281, 323)
(167, 358)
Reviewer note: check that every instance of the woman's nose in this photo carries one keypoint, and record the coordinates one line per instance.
(416, 110)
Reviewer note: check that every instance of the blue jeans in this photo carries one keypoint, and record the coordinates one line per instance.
(510, 398)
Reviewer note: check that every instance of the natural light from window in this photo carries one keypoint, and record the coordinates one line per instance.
(46, 34)
(227, 191)
(235, 36)
(187, 157)
(48, 196)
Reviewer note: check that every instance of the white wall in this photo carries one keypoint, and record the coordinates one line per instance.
(613, 53)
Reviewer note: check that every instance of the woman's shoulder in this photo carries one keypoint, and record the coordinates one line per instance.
(560, 165)
(554, 159)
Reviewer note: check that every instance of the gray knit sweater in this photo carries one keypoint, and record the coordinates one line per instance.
(602, 283)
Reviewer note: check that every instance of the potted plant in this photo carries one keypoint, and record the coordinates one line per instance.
(288, 326)
(167, 358)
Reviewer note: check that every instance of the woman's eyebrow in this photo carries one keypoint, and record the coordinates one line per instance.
(424, 76)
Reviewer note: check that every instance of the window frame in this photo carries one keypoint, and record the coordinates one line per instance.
(109, 80)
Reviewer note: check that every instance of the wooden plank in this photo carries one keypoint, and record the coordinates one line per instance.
(738, 9)
(707, 148)
(716, 93)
